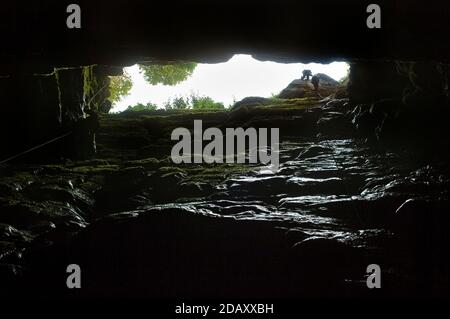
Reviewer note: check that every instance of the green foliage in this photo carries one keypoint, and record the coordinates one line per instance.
(193, 102)
(205, 102)
(119, 87)
(180, 103)
(142, 107)
(167, 74)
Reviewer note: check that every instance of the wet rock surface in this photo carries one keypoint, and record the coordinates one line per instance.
(138, 225)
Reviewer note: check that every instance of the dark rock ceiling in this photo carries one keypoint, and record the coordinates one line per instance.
(122, 32)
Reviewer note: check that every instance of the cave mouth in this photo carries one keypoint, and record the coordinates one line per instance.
(143, 86)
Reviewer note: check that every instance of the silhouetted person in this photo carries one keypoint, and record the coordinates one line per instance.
(306, 74)
(315, 81)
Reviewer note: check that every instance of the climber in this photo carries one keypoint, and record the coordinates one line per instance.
(306, 74)
(315, 81)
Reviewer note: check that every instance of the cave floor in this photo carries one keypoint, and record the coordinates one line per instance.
(140, 225)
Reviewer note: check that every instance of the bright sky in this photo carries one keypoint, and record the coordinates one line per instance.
(239, 77)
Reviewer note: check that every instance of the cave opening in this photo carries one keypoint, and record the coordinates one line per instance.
(177, 85)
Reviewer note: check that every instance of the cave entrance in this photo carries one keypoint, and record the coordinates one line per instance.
(150, 100)
(186, 85)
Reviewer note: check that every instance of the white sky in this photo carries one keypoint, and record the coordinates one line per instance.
(239, 77)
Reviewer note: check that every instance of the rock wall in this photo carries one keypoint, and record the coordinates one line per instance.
(36, 108)
(406, 102)
(413, 82)
(370, 81)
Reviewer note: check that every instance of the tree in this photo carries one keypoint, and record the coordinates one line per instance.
(142, 107)
(193, 102)
(119, 87)
(178, 103)
(167, 74)
(205, 102)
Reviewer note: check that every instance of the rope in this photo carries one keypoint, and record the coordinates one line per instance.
(96, 93)
(34, 148)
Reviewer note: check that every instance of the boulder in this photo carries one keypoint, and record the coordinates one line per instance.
(326, 80)
(297, 89)
(302, 88)
(250, 101)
